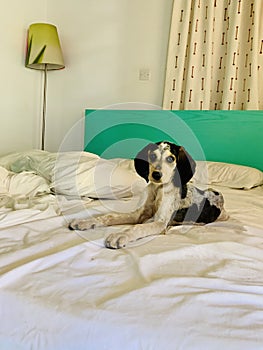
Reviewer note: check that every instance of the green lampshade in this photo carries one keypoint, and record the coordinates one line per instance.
(43, 47)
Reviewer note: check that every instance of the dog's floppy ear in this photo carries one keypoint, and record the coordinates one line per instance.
(185, 168)
(141, 163)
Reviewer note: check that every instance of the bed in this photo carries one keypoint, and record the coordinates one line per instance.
(198, 287)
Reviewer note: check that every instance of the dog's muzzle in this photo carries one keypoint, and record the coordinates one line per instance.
(156, 175)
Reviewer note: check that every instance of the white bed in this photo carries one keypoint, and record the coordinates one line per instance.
(196, 288)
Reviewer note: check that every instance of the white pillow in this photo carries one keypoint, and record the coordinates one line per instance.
(20, 191)
(28, 184)
(4, 180)
(87, 175)
(79, 173)
(228, 175)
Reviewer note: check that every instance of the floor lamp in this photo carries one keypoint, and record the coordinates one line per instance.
(43, 53)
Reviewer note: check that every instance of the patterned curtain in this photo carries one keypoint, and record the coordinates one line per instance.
(215, 58)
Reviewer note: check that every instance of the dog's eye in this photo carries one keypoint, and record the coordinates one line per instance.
(152, 157)
(170, 159)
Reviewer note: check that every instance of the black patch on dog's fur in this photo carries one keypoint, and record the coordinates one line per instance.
(206, 214)
(141, 163)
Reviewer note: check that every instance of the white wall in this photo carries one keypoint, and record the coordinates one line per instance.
(19, 87)
(105, 43)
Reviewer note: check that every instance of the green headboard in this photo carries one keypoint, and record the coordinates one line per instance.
(224, 136)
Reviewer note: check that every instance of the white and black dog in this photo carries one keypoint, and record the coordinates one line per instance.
(171, 200)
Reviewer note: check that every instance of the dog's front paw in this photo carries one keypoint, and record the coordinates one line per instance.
(117, 240)
(81, 225)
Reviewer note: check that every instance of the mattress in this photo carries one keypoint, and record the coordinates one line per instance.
(197, 287)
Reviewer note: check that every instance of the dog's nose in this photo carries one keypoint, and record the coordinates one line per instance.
(156, 175)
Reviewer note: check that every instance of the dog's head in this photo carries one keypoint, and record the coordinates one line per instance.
(165, 162)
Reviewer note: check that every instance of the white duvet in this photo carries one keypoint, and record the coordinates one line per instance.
(195, 288)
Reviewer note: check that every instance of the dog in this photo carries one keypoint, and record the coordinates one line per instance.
(171, 199)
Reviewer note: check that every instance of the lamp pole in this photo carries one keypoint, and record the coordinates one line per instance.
(44, 109)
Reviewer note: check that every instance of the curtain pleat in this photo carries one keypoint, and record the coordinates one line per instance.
(215, 55)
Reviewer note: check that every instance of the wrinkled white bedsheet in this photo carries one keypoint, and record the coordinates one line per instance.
(196, 288)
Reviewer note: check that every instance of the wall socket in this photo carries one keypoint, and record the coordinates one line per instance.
(144, 74)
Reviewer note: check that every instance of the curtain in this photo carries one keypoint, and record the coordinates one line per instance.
(215, 58)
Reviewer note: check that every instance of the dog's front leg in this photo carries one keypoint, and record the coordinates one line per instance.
(154, 226)
(141, 214)
(121, 239)
(105, 220)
